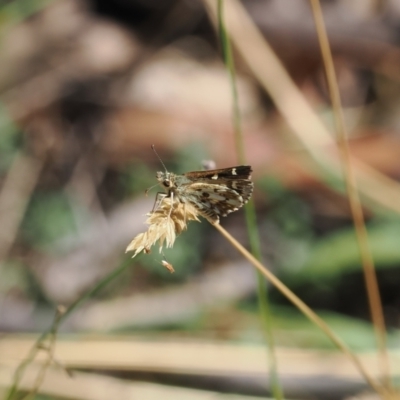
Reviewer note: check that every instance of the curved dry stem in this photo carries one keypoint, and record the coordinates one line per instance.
(50, 358)
(307, 311)
(305, 124)
(354, 199)
(51, 338)
(60, 317)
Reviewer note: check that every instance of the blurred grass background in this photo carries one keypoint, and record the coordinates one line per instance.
(87, 87)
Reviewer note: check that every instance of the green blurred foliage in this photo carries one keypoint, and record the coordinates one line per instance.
(49, 218)
(190, 158)
(13, 277)
(338, 253)
(287, 225)
(286, 209)
(10, 140)
(308, 257)
(185, 256)
(293, 329)
(14, 11)
(296, 330)
(136, 178)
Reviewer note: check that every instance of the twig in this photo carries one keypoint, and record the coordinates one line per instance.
(19, 372)
(307, 311)
(50, 355)
(51, 337)
(371, 282)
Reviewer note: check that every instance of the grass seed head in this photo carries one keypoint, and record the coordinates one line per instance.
(165, 223)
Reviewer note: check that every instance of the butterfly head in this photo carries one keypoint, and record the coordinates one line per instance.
(164, 178)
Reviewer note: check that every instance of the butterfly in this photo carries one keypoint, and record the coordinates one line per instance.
(212, 193)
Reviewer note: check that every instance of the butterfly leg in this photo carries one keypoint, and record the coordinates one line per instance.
(172, 203)
(158, 200)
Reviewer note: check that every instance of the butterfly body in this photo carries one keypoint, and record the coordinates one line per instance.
(213, 193)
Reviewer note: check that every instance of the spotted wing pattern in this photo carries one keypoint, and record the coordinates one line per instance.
(217, 192)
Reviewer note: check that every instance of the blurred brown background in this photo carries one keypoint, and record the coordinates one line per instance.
(86, 87)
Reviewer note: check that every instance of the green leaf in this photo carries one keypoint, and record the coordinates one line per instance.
(339, 252)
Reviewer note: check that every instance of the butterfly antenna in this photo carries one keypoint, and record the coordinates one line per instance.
(154, 149)
(146, 192)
